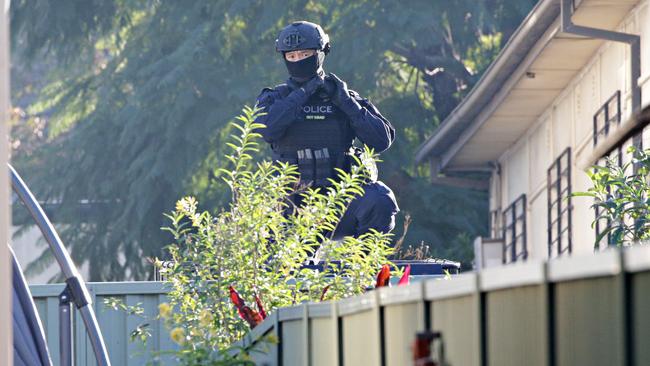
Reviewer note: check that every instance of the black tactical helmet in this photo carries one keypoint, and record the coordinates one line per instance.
(302, 35)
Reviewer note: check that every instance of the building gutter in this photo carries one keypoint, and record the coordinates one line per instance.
(568, 8)
(536, 24)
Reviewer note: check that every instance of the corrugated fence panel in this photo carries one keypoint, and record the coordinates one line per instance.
(403, 314)
(294, 335)
(360, 330)
(589, 310)
(459, 321)
(516, 315)
(571, 311)
(116, 326)
(455, 312)
(52, 327)
(83, 353)
(589, 322)
(516, 326)
(323, 334)
(637, 266)
(321, 344)
(114, 332)
(641, 331)
(293, 343)
(164, 341)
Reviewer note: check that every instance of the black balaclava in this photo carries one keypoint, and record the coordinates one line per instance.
(307, 68)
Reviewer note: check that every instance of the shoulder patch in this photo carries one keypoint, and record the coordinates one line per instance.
(283, 89)
(266, 95)
(354, 94)
(266, 91)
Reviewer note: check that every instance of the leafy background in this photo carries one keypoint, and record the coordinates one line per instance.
(121, 107)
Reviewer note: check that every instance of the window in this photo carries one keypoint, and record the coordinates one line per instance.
(514, 231)
(636, 133)
(619, 155)
(606, 116)
(615, 155)
(559, 205)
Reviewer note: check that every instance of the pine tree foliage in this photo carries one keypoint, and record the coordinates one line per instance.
(138, 101)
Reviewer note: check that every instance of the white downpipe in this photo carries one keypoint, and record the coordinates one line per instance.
(6, 341)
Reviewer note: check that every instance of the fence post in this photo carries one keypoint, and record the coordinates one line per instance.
(65, 328)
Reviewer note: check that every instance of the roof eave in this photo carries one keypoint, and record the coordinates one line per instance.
(536, 24)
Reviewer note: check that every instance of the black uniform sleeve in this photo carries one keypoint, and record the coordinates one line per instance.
(280, 111)
(369, 125)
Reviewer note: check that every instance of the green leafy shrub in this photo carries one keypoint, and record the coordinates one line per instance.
(621, 198)
(257, 248)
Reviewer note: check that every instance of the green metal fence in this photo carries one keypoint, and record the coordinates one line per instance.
(589, 310)
(116, 326)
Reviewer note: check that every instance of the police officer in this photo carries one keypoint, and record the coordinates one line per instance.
(312, 121)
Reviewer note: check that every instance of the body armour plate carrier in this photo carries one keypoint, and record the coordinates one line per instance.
(319, 141)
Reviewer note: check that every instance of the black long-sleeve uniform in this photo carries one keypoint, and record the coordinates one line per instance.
(295, 120)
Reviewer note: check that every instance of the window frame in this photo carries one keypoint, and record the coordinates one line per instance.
(561, 204)
(606, 111)
(512, 230)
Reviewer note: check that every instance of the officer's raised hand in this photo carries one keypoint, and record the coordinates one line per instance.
(339, 93)
(341, 96)
(313, 84)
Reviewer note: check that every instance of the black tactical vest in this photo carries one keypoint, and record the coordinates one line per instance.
(319, 141)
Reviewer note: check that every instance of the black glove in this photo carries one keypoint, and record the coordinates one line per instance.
(313, 84)
(329, 87)
(340, 94)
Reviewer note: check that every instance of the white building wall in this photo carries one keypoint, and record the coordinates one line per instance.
(539, 145)
(516, 169)
(568, 122)
(562, 126)
(643, 23)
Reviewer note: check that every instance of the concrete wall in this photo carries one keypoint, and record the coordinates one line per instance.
(568, 122)
(28, 246)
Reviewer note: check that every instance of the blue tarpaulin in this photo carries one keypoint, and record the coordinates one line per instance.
(30, 347)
